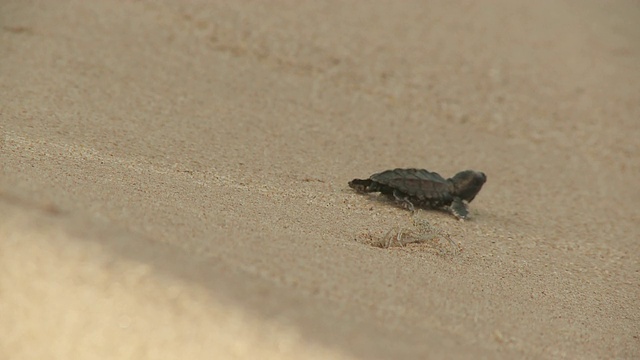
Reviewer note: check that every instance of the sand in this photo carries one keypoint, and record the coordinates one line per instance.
(174, 179)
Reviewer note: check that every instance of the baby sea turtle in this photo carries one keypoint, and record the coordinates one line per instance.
(425, 188)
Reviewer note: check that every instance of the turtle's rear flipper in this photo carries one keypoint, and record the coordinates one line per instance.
(362, 185)
(459, 208)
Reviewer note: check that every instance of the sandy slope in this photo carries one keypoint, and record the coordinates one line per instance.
(174, 179)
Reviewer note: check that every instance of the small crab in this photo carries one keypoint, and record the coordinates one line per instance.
(425, 188)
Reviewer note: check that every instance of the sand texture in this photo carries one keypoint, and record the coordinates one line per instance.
(174, 179)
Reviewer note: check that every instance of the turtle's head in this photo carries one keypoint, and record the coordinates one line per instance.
(467, 184)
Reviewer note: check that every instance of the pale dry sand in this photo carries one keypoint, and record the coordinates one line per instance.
(174, 179)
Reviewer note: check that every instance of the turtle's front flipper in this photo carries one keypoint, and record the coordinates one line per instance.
(404, 200)
(459, 208)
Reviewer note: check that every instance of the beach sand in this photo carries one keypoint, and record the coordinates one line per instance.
(174, 179)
